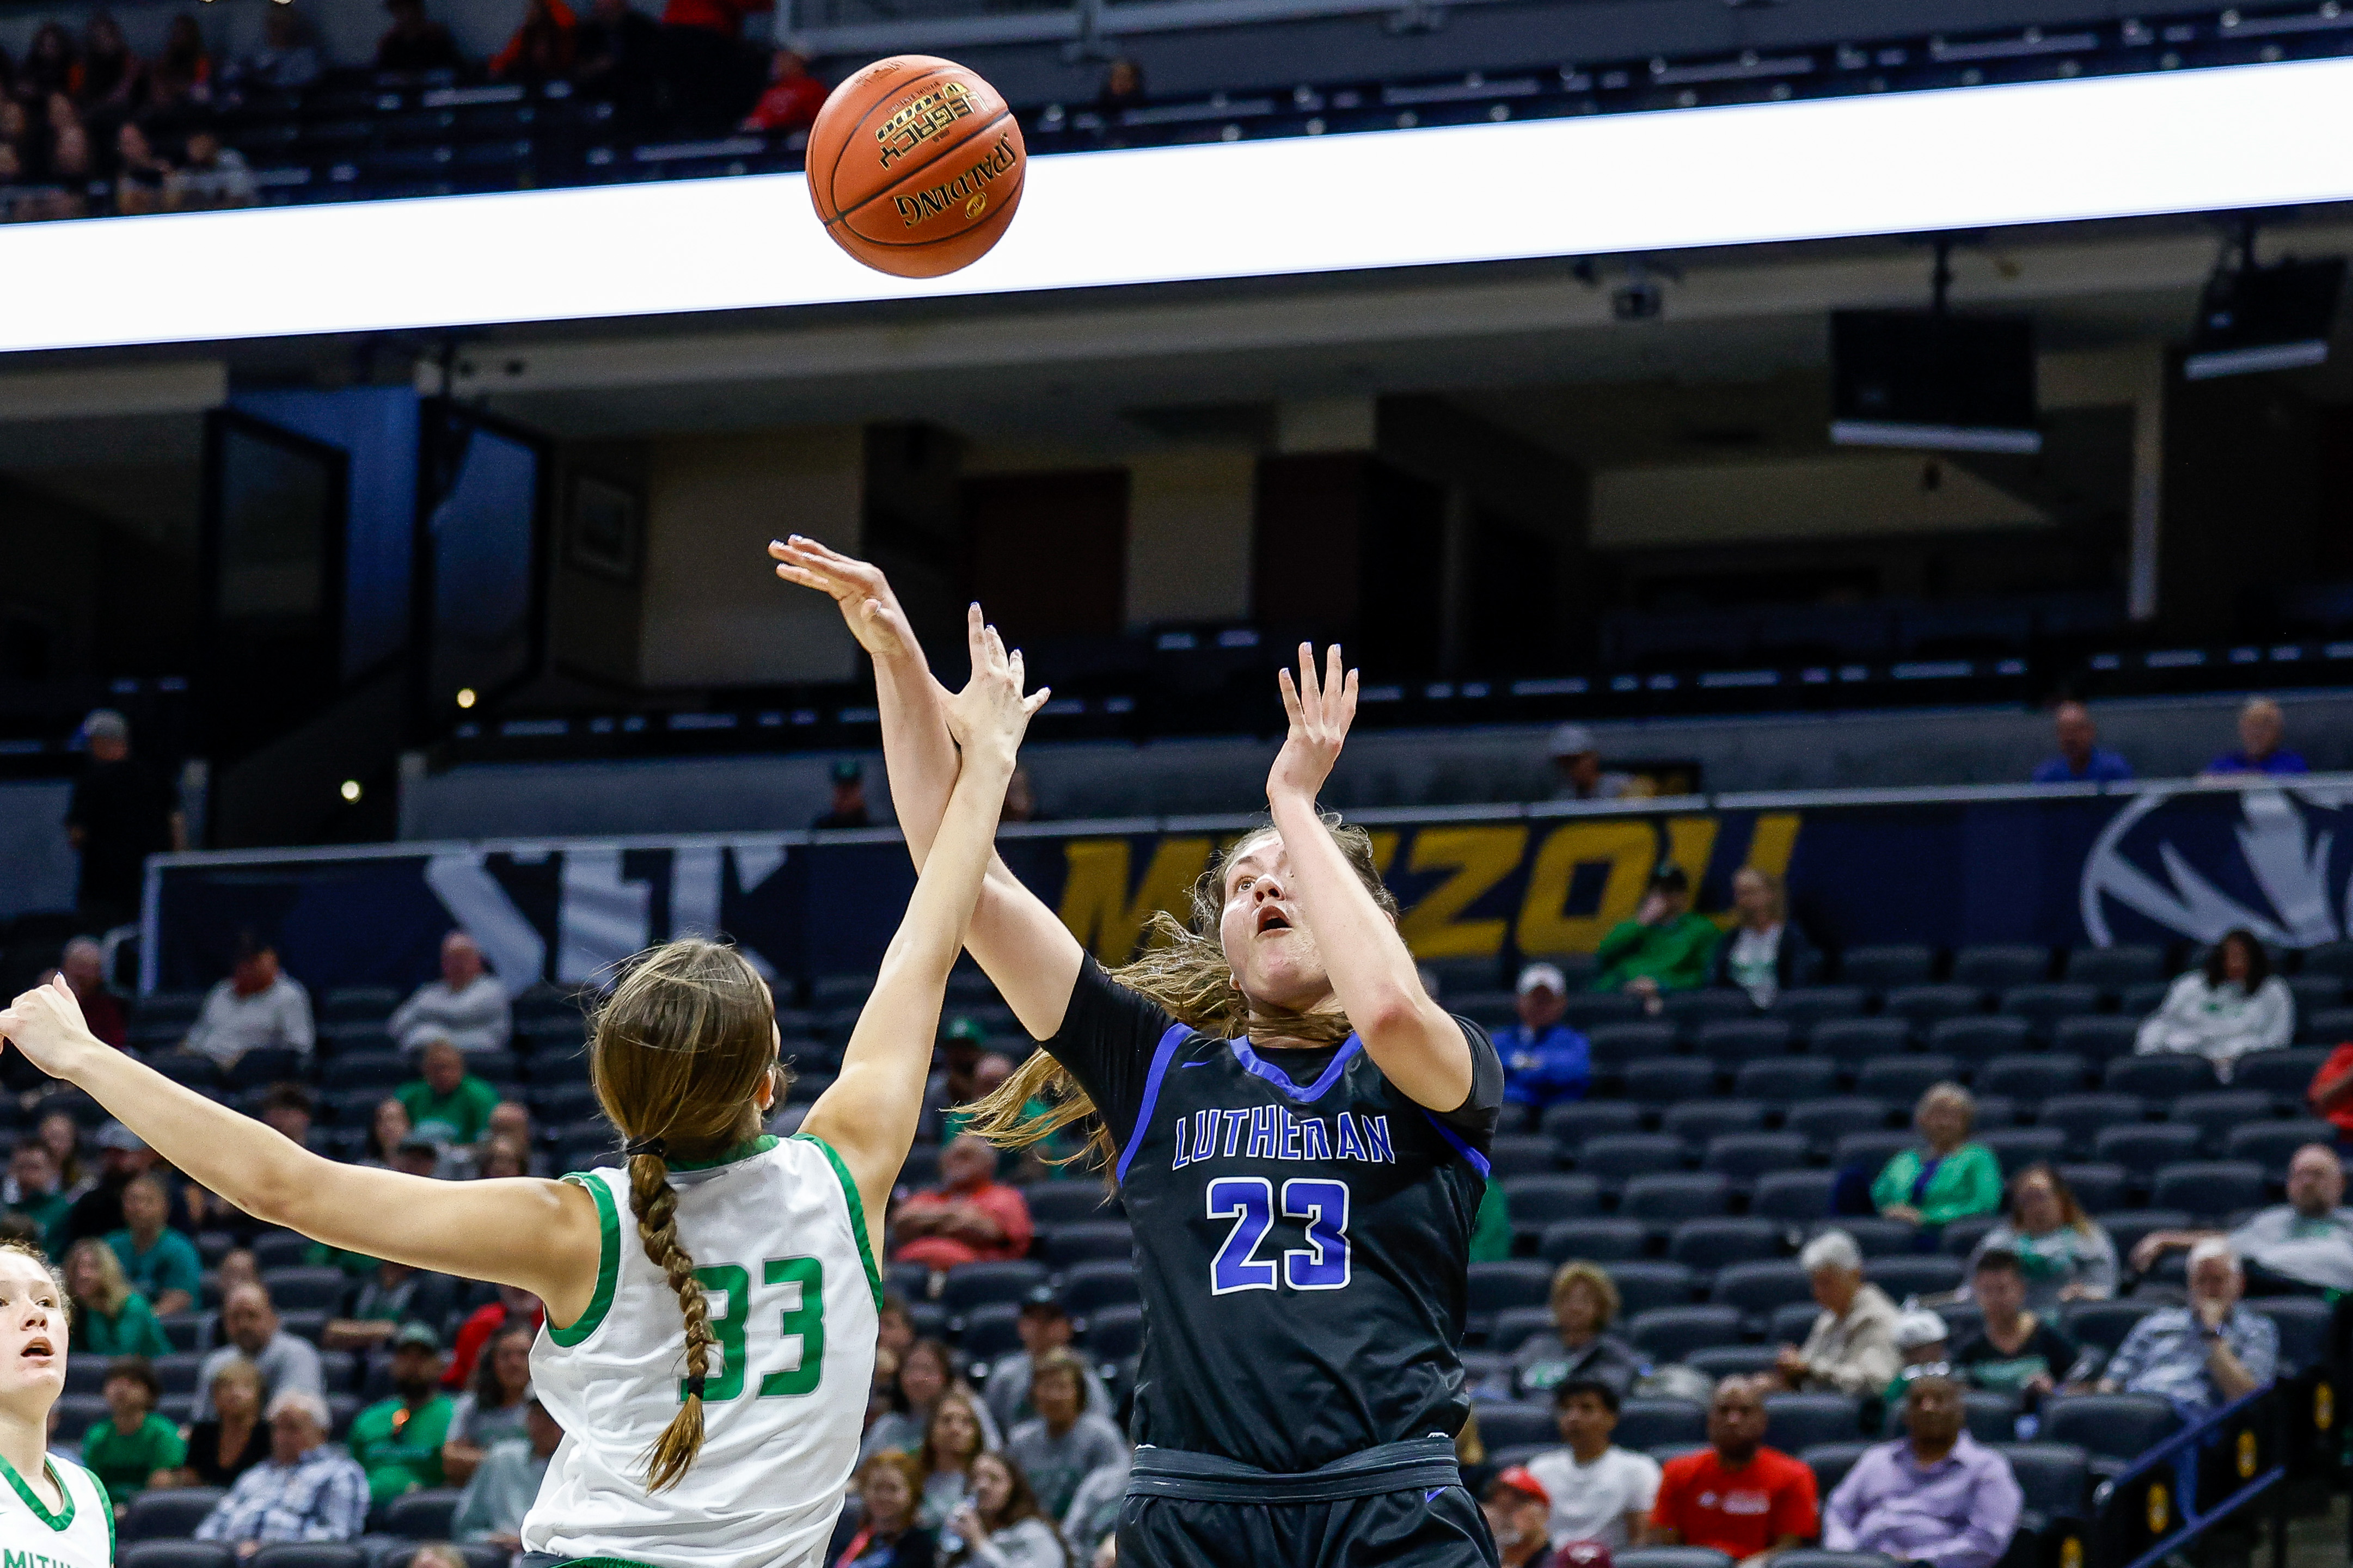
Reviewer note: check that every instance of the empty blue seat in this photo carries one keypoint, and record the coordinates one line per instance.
(2142, 1147)
(1796, 1197)
(1829, 1462)
(2018, 1147)
(1644, 1286)
(1746, 1156)
(1960, 1238)
(2000, 967)
(1720, 1242)
(1886, 966)
(1697, 1121)
(2286, 1075)
(1688, 1010)
(2317, 993)
(1515, 1326)
(1794, 1421)
(2125, 1228)
(2305, 1324)
(1808, 1006)
(2096, 1039)
(1115, 1334)
(1572, 1122)
(1656, 1423)
(172, 1514)
(1595, 1240)
(987, 1333)
(1870, 1150)
(1090, 1241)
(1668, 1199)
(1615, 1045)
(1538, 1201)
(157, 1553)
(2215, 1114)
(1922, 1273)
(1515, 1282)
(1922, 1005)
(2034, 1076)
(1789, 1324)
(1520, 1154)
(2098, 1187)
(1759, 1289)
(2082, 1116)
(1825, 1122)
(1719, 1362)
(1618, 1156)
(1976, 1040)
(981, 1284)
(2270, 1144)
(2213, 1189)
(1089, 1288)
(1733, 1041)
(2044, 1004)
(1510, 1425)
(1854, 1041)
(2114, 968)
(1669, 1333)
(1778, 1080)
(2330, 958)
(1904, 1079)
(1877, 1237)
(2161, 1077)
(1670, 1081)
(2115, 1426)
(1069, 1203)
(2103, 1325)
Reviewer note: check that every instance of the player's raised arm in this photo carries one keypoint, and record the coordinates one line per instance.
(1020, 943)
(539, 1235)
(1418, 1048)
(869, 1115)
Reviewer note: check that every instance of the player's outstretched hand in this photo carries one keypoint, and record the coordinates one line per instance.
(1321, 712)
(857, 586)
(990, 714)
(45, 1024)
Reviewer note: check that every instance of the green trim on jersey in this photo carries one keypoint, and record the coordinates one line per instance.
(743, 1151)
(59, 1522)
(609, 1263)
(603, 1563)
(857, 1212)
(105, 1507)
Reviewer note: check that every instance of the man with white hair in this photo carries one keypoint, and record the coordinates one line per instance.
(1852, 1349)
(2303, 1244)
(307, 1489)
(2261, 728)
(466, 1006)
(1544, 1060)
(2204, 1355)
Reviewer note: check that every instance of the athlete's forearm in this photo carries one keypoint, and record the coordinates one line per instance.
(1409, 1037)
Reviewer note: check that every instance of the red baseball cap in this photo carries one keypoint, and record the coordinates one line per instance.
(1518, 1478)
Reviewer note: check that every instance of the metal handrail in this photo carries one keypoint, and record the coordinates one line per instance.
(2180, 1453)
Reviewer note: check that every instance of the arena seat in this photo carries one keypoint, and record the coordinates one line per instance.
(1795, 1421)
(1538, 1201)
(1070, 1202)
(1796, 1197)
(975, 1285)
(2162, 1078)
(1670, 1198)
(1691, 1010)
(1573, 1121)
(2114, 1429)
(1870, 1150)
(1977, 1040)
(1494, 1288)
(1821, 1557)
(1642, 1285)
(2215, 1113)
(1789, 1325)
(2096, 1039)
(307, 1555)
(2316, 993)
(2056, 1483)
(2328, 958)
(1779, 1080)
(176, 1373)
(2018, 1147)
(1654, 1423)
(1589, 1010)
(1877, 1237)
(2138, 1002)
(2114, 968)
(1825, 1120)
(306, 1290)
(2270, 1144)
(1090, 1241)
(1733, 1041)
(2212, 1189)
(2000, 967)
(346, 1003)
(1923, 1005)
(1663, 1081)
(1746, 1156)
(1115, 1334)
(1807, 1008)
(1887, 966)
(156, 1553)
(1905, 1079)
(1717, 1244)
(2101, 1324)
(169, 1513)
(1520, 1154)
(1511, 1424)
(1697, 1122)
(1618, 1045)
(1854, 1041)
(1829, 1462)
(2097, 1187)
(1615, 1158)
(2083, 1116)
(1515, 1327)
(2142, 1147)
(1595, 1240)
(2047, 1004)
(422, 1515)
(1091, 1286)
(1669, 1333)
(263, 1065)
(1718, 1361)
(1961, 1236)
(2286, 1075)
(1760, 1287)
(1671, 1556)
(986, 1332)
(1922, 1273)
(2125, 1228)
(2306, 1325)
(370, 1070)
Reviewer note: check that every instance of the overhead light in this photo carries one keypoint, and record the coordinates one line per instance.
(465, 697)
(2253, 318)
(351, 789)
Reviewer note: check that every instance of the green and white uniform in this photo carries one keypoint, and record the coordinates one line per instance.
(80, 1535)
(779, 1239)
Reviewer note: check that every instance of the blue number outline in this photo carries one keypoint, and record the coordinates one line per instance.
(1245, 1199)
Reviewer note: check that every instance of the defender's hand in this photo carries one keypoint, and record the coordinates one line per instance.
(989, 716)
(867, 603)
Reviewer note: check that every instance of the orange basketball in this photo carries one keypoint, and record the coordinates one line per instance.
(915, 166)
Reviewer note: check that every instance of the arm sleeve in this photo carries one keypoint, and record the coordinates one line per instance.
(1663, 1502)
(300, 1033)
(404, 1014)
(182, 1268)
(1839, 1516)
(1475, 1118)
(1623, 938)
(1106, 1041)
(2276, 1025)
(1979, 1190)
(1795, 1511)
(1697, 944)
(1893, 1185)
(2100, 1262)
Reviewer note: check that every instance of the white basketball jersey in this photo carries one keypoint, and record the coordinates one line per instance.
(779, 1239)
(78, 1535)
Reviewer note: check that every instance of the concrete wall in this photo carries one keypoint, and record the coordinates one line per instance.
(1189, 536)
(37, 868)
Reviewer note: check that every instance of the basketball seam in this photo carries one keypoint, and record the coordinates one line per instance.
(1002, 208)
(942, 154)
(935, 72)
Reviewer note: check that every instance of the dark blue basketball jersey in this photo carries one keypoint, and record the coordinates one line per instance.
(1303, 1229)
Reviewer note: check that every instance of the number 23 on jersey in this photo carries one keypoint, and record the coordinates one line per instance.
(1251, 1203)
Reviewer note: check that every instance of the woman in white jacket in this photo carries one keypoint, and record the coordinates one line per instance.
(2232, 1005)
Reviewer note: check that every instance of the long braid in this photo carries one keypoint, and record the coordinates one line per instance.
(654, 1202)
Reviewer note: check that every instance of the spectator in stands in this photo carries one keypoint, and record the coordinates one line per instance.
(110, 1318)
(1581, 1348)
(1577, 768)
(398, 1440)
(505, 1483)
(1517, 1505)
(448, 1105)
(209, 176)
(887, 1535)
(415, 43)
(385, 1296)
(1045, 1329)
(1735, 1496)
(1665, 947)
(961, 1045)
(493, 1409)
(1020, 797)
(2228, 1006)
(1763, 954)
(35, 1193)
(257, 1005)
(83, 963)
(48, 70)
(236, 1267)
(249, 1323)
(616, 56)
(712, 78)
(1922, 1343)
(1093, 1513)
(289, 1107)
(2014, 1352)
(1952, 1178)
(2331, 1093)
(2303, 1244)
(111, 83)
(287, 58)
(1003, 1524)
(1544, 1060)
(122, 810)
(926, 1376)
(466, 1006)
(2203, 1355)
(2062, 1254)
(790, 103)
(1122, 86)
(123, 1157)
(543, 46)
(1598, 1492)
(389, 1129)
(61, 1135)
(2081, 759)
(1934, 1496)
(307, 1489)
(1852, 1347)
(1065, 1442)
(970, 1218)
(159, 1262)
(133, 1448)
(2261, 728)
(953, 1437)
(235, 1437)
(849, 808)
(183, 72)
(511, 1306)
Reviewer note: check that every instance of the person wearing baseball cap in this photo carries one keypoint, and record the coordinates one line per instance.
(1544, 1060)
(398, 1441)
(1666, 946)
(1518, 1507)
(1576, 765)
(849, 808)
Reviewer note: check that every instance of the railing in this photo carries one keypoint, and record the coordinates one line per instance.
(2177, 1491)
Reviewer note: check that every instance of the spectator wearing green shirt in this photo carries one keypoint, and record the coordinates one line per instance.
(1952, 1178)
(448, 1105)
(1490, 1234)
(110, 1318)
(132, 1443)
(398, 1441)
(160, 1263)
(37, 1190)
(1665, 947)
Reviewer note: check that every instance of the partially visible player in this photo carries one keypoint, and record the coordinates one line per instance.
(1300, 1135)
(50, 1507)
(711, 1373)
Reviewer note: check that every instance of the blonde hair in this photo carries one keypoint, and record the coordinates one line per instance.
(113, 1287)
(1185, 970)
(1590, 1275)
(677, 1052)
(57, 1276)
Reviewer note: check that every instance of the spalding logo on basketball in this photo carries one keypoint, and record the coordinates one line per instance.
(915, 166)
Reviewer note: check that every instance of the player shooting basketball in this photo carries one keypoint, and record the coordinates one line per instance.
(1299, 1134)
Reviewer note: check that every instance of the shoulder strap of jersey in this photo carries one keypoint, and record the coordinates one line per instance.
(608, 1257)
(1161, 1054)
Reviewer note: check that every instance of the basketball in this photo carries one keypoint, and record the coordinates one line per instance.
(915, 166)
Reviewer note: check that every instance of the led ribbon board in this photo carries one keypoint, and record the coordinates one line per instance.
(2243, 137)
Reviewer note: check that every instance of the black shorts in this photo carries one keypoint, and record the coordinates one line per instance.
(1418, 1528)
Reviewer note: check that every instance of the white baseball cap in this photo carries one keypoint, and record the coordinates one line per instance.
(1918, 1327)
(1546, 976)
(1572, 740)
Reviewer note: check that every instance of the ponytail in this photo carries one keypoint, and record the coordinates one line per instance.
(654, 1202)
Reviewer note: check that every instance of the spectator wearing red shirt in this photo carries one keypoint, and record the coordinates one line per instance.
(2331, 1092)
(83, 963)
(1737, 1496)
(970, 1218)
(542, 47)
(793, 98)
(518, 1307)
